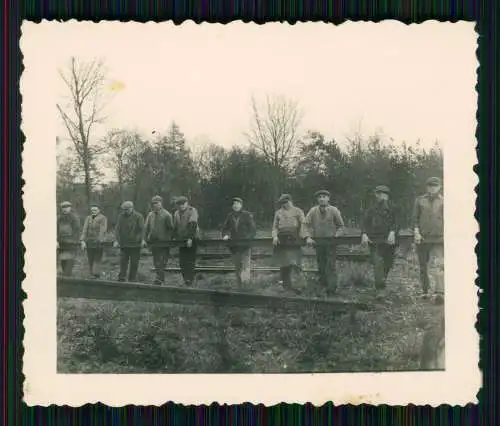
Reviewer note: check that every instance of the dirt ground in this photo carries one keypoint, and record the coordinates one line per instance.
(131, 337)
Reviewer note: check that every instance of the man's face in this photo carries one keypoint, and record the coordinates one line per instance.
(237, 206)
(183, 206)
(94, 210)
(323, 200)
(156, 206)
(433, 189)
(66, 209)
(381, 196)
(127, 211)
(286, 204)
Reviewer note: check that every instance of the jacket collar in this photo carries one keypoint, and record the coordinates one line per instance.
(438, 196)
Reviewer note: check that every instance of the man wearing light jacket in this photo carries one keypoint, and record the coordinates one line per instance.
(428, 233)
(157, 232)
(325, 221)
(239, 225)
(288, 233)
(186, 230)
(92, 237)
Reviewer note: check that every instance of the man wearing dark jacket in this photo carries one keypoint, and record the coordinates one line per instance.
(158, 231)
(129, 233)
(68, 232)
(186, 230)
(239, 225)
(379, 232)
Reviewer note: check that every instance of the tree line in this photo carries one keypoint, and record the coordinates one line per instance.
(278, 159)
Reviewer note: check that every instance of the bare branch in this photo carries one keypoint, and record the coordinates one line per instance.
(84, 81)
(274, 132)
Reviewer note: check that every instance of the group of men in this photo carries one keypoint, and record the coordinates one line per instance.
(291, 230)
(132, 233)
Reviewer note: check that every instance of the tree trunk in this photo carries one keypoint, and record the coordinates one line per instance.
(88, 185)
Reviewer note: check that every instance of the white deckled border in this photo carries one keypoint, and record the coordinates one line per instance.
(458, 385)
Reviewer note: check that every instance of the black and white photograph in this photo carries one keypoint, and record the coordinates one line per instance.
(276, 203)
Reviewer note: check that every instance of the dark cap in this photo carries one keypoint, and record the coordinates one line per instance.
(322, 192)
(181, 200)
(284, 198)
(157, 199)
(238, 199)
(382, 188)
(433, 181)
(127, 205)
(65, 204)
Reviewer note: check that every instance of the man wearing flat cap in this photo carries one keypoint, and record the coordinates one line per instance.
(324, 222)
(158, 231)
(428, 233)
(288, 232)
(239, 229)
(129, 232)
(92, 237)
(68, 233)
(186, 230)
(378, 232)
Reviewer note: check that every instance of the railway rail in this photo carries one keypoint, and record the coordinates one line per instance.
(69, 287)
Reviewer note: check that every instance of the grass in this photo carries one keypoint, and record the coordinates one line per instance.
(130, 337)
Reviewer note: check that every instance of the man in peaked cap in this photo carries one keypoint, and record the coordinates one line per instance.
(158, 231)
(186, 229)
(428, 231)
(288, 233)
(129, 234)
(325, 222)
(379, 230)
(68, 233)
(92, 237)
(239, 229)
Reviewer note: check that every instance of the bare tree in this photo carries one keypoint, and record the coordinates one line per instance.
(210, 160)
(274, 129)
(125, 154)
(85, 83)
(274, 134)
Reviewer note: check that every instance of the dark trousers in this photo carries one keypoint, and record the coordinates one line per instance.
(67, 266)
(291, 276)
(129, 255)
(382, 258)
(160, 259)
(286, 275)
(187, 262)
(326, 257)
(94, 257)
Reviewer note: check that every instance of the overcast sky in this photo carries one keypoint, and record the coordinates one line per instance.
(413, 82)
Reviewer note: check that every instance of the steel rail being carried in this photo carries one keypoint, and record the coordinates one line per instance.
(267, 242)
(222, 269)
(119, 291)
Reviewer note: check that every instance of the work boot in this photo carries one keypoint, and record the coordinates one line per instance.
(331, 291)
(439, 299)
